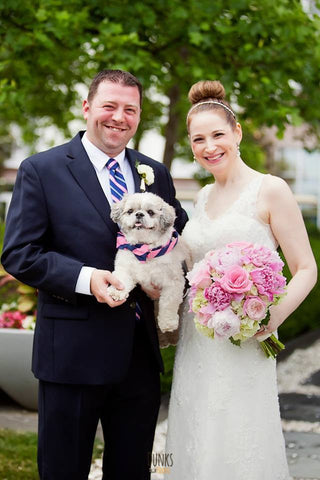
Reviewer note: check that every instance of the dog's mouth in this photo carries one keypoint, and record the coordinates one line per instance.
(140, 226)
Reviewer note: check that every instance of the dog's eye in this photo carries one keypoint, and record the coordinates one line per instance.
(151, 213)
(130, 211)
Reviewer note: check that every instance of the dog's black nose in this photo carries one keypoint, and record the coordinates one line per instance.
(139, 214)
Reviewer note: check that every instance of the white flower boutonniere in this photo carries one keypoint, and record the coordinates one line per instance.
(146, 174)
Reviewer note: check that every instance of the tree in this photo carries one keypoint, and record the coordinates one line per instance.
(266, 54)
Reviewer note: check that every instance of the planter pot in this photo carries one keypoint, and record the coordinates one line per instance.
(16, 378)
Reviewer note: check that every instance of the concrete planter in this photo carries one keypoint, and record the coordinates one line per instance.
(16, 378)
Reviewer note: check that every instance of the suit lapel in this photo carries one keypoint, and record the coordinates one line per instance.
(132, 158)
(84, 173)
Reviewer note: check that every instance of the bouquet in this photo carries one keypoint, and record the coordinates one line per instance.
(231, 292)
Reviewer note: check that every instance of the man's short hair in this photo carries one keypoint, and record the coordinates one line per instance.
(115, 76)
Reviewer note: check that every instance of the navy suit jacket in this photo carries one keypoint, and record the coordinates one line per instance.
(58, 221)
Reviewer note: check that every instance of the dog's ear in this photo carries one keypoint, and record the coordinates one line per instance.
(117, 209)
(167, 217)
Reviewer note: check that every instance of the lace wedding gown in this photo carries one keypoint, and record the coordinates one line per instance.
(224, 420)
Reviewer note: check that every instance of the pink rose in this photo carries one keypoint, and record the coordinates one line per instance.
(255, 308)
(236, 280)
(200, 276)
(225, 323)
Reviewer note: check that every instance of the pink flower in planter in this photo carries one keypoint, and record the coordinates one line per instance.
(12, 319)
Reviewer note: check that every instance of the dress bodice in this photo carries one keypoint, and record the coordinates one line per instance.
(239, 223)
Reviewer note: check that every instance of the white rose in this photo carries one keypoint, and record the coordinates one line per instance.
(147, 173)
(225, 323)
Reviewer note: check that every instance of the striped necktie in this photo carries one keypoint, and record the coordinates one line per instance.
(118, 185)
(118, 188)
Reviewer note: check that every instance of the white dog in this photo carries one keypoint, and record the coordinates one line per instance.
(146, 223)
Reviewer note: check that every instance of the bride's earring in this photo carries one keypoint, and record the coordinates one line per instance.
(194, 159)
(238, 150)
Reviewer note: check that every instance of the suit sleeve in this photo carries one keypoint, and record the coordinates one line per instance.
(26, 253)
(182, 216)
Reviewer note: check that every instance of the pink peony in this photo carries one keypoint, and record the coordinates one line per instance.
(240, 245)
(258, 255)
(219, 298)
(235, 280)
(203, 318)
(228, 258)
(255, 308)
(200, 276)
(225, 323)
(268, 281)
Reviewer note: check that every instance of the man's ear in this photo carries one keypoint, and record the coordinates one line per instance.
(85, 108)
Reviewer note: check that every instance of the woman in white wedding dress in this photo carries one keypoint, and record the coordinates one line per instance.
(224, 421)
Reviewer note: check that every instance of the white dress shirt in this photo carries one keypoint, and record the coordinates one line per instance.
(99, 160)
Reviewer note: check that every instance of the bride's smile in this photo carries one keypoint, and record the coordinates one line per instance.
(213, 141)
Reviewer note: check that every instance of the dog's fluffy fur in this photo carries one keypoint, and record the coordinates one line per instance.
(146, 218)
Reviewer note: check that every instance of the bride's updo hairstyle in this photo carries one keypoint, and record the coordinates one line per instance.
(209, 95)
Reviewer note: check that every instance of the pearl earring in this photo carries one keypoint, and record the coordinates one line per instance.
(238, 150)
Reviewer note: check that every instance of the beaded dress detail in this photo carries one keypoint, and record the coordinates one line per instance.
(224, 420)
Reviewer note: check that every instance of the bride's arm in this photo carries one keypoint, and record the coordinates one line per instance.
(288, 228)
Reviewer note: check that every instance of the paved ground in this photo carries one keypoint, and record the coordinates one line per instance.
(299, 388)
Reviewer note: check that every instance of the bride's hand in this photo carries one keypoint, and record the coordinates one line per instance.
(271, 326)
(153, 291)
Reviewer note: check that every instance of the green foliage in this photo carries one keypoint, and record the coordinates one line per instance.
(18, 455)
(260, 50)
(306, 316)
(2, 228)
(168, 361)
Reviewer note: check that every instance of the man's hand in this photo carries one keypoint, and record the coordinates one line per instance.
(153, 291)
(100, 279)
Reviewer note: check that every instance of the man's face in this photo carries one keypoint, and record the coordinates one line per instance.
(112, 116)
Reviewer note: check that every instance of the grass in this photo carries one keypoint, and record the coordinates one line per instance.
(18, 455)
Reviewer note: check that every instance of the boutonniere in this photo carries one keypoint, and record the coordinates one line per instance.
(146, 174)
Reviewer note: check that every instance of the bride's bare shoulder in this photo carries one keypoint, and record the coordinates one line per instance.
(276, 192)
(273, 185)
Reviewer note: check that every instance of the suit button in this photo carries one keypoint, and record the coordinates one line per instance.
(133, 305)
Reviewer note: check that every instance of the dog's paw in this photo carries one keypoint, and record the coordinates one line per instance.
(168, 323)
(117, 295)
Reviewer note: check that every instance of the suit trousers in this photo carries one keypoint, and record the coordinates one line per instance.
(69, 416)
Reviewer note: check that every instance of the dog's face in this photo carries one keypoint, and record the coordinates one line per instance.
(144, 218)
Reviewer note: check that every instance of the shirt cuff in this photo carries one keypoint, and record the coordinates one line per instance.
(84, 279)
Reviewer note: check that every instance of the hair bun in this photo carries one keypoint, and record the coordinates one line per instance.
(206, 89)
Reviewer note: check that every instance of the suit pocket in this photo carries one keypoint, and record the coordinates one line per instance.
(65, 312)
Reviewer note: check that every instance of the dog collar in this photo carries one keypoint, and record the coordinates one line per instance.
(142, 251)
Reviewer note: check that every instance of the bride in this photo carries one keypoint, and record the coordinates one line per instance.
(224, 420)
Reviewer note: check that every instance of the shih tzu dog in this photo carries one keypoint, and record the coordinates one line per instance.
(150, 253)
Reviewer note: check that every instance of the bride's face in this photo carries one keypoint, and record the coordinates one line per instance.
(213, 141)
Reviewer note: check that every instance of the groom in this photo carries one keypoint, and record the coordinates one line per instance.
(95, 358)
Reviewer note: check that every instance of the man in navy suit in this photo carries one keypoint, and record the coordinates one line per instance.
(93, 357)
